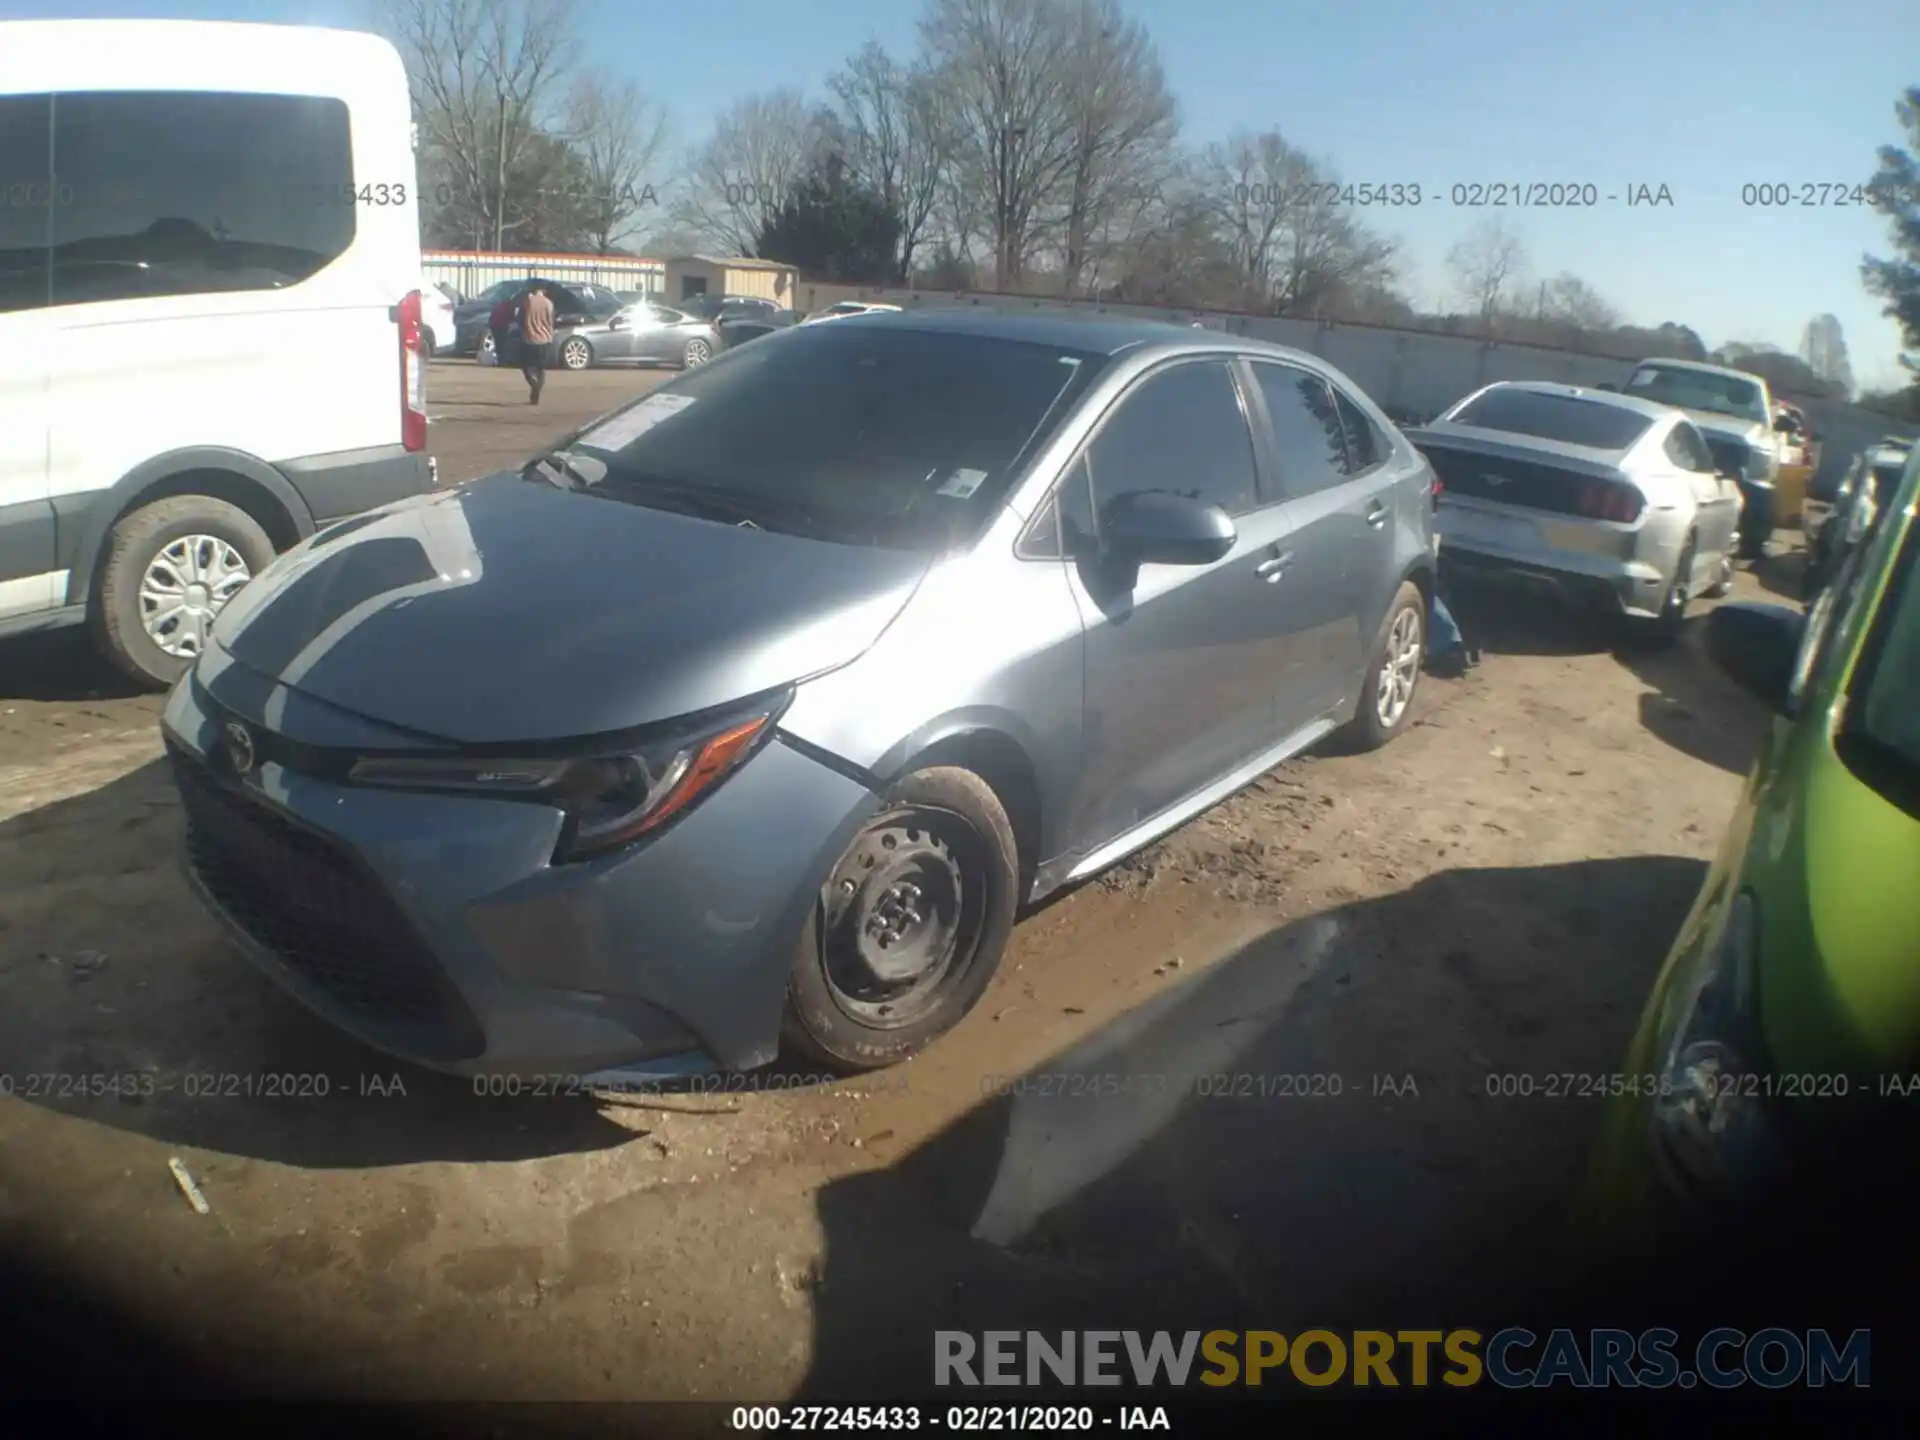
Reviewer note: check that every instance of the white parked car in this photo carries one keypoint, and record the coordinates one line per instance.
(849, 307)
(436, 313)
(230, 352)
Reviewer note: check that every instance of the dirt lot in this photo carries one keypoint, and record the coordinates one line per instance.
(1492, 894)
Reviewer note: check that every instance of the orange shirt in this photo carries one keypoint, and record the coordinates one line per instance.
(536, 320)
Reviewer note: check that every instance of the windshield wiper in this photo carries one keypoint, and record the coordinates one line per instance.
(567, 470)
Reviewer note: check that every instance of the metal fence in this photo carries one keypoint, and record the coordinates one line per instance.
(1411, 374)
(469, 271)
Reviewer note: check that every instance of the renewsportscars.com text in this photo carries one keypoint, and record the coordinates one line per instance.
(1514, 1358)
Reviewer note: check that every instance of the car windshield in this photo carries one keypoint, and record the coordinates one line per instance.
(905, 440)
(1699, 390)
(1565, 418)
(1880, 738)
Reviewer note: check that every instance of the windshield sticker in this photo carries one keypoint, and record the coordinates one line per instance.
(629, 425)
(962, 483)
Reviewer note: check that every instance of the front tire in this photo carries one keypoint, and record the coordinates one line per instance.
(908, 930)
(170, 568)
(698, 352)
(1386, 695)
(576, 354)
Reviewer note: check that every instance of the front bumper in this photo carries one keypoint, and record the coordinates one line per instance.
(435, 929)
(1594, 564)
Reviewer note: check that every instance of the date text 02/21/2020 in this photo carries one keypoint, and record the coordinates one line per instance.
(1472, 195)
(963, 1419)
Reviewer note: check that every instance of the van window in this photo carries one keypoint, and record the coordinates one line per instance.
(25, 201)
(196, 193)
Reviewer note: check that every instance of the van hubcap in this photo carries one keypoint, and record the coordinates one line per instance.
(184, 587)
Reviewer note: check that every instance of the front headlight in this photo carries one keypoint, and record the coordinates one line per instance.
(610, 797)
(1710, 1130)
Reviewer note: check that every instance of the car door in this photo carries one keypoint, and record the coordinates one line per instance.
(1716, 499)
(1341, 536)
(28, 582)
(1179, 659)
(657, 336)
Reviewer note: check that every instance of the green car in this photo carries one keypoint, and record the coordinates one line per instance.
(1787, 1014)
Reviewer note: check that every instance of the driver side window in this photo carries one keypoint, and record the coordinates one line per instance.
(1180, 430)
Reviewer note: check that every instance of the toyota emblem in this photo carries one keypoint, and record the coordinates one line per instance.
(240, 751)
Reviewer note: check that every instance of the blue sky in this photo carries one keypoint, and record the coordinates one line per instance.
(1701, 97)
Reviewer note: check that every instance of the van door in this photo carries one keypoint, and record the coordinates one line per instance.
(29, 578)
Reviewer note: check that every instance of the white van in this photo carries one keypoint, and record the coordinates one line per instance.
(210, 327)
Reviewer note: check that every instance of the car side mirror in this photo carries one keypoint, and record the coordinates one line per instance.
(1157, 527)
(1757, 645)
(618, 322)
(1784, 426)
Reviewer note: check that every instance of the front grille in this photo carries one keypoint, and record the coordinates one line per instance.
(309, 902)
(1511, 482)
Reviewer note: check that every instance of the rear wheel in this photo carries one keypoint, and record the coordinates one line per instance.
(908, 930)
(170, 568)
(1386, 695)
(1664, 629)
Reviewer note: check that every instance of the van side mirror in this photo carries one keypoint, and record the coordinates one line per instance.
(1756, 646)
(1158, 527)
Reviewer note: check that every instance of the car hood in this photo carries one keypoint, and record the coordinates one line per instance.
(508, 610)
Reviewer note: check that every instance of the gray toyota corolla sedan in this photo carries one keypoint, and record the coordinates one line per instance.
(747, 719)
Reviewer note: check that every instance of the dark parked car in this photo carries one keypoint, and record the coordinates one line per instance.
(1844, 521)
(574, 304)
(750, 716)
(740, 318)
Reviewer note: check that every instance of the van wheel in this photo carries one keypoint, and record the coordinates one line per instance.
(1386, 695)
(909, 928)
(170, 567)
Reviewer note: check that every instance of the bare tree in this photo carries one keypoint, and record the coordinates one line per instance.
(617, 136)
(1278, 213)
(1123, 126)
(1824, 348)
(1570, 301)
(892, 136)
(1003, 67)
(737, 181)
(1486, 265)
(486, 77)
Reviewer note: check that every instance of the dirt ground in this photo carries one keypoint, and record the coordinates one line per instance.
(1350, 949)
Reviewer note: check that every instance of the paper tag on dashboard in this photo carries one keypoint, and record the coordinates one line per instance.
(962, 483)
(629, 425)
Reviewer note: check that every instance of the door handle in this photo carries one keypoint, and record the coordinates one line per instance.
(1271, 570)
(1377, 514)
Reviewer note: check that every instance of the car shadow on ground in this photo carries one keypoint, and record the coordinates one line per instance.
(123, 1003)
(1348, 1122)
(1782, 573)
(59, 666)
(1694, 707)
(1505, 619)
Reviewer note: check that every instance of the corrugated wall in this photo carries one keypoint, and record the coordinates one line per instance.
(470, 272)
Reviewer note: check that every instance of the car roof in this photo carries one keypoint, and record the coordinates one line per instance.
(1726, 372)
(1652, 409)
(1106, 335)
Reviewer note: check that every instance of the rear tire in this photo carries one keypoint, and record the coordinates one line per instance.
(1661, 632)
(138, 579)
(1399, 654)
(942, 840)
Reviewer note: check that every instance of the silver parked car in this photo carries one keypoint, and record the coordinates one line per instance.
(750, 716)
(644, 333)
(1616, 502)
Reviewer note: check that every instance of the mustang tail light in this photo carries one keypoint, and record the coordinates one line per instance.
(1610, 500)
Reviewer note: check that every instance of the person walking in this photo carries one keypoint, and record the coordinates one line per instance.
(536, 340)
(500, 323)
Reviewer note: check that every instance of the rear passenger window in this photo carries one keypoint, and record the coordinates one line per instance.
(1686, 449)
(1179, 431)
(25, 201)
(1307, 433)
(1366, 446)
(194, 193)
